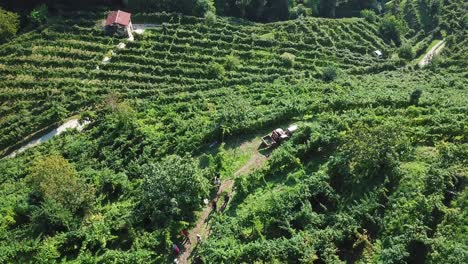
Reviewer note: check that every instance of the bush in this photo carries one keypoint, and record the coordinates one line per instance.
(172, 190)
(202, 7)
(414, 97)
(39, 15)
(210, 17)
(329, 73)
(300, 10)
(9, 23)
(392, 29)
(369, 15)
(216, 70)
(232, 63)
(62, 194)
(406, 52)
(288, 59)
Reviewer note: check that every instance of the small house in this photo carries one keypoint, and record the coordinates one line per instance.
(378, 53)
(119, 23)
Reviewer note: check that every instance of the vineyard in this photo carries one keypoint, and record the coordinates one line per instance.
(47, 75)
(375, 174)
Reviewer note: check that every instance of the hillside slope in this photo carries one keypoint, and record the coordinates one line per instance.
(377, 171)
(49, 74)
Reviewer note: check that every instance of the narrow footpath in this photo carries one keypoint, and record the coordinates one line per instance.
(202, 227)
(432, 53)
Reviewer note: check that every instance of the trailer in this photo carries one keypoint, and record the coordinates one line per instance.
(277, 136)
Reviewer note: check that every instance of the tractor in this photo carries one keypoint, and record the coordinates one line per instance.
(278, 136)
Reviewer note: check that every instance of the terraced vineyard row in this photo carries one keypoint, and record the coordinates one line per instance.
(50, 74)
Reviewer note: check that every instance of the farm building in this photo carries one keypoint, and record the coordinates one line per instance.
(119, 23)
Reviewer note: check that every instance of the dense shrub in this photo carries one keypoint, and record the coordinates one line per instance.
(288, 59)
(414, 97)
(216, 70)
(210, 17)
(329, 73)
(62, 194)
(232, 63)
(406, 52)
(9, 23)
(189, 7)
(392, 29)
(172, 190)
(202, 7)
(369, 15)
(38, 16)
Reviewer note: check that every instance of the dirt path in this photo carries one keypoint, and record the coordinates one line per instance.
(202, 227)
(431, 54)
(72, 123)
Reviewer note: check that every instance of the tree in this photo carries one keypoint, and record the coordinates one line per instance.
(202, 7)
(414, 97)
(368, 155)
(172, 190)
(392, 29)
(329, 73)
(39, 15)
(288, 59)
(9, 23)
(369, 15)
(216, 70)
(234, 114)
(406, 52)
(61, 193)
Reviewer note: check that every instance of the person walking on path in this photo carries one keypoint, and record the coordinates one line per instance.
(226, 201)
(217, 180)
(176, 249)
(199, 240)
(214, 206)
(185, 234)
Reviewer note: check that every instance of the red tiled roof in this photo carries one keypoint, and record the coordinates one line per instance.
(118, 17)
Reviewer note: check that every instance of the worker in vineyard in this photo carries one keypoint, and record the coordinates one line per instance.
(176, 249)
(226, 200)
(214, 205)
(217, 180)
(185, 234)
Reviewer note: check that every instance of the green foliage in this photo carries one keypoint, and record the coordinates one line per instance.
(234, 115)
(204, 8)
(210, 17)
(347, 187)
(368, 155)
(216, 70)
(189, 7)
(288, 59)
(415, 96)
(63, 194)
(9, 24)
(406, 52)
(369, 15)
(329, 73)
(232, 63)
(392, 29)
(171, 190)
(300, 11)
(38, 16)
